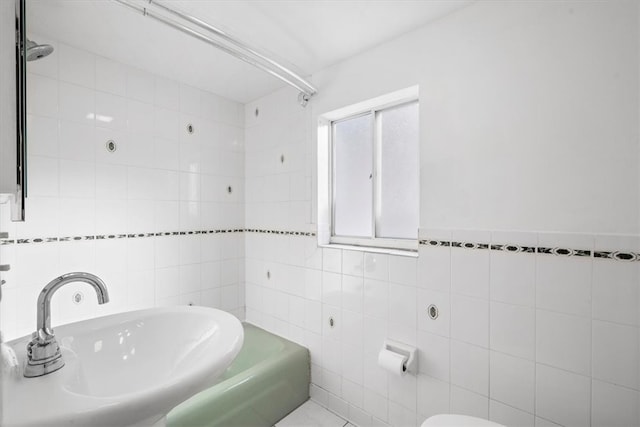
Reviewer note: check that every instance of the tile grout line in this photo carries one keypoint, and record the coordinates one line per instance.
(489, 336)
(535, 332)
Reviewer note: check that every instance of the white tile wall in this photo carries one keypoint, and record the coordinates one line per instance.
(159, 179)
(522, 338)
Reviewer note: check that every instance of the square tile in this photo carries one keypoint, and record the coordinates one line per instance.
(353, 263)
(77, 103)
(563, 397)
(376, 266)
(465, 402)
(470, 320)
(513, 278)
(614, 406)
(616, 289)
(332, 260)
(140, 117)
(76, 66)
(376, 404)
(111, 111)
(83, 213)
(111, 182)
(513, 381)
(190, 100)
(140, 85)
(470, 272)
(402, 270)
(111, 217)
(402, 309)
(375, 298)
(563, 341)
(400, 415)
(76, 141)
(434, 268)
(470, 367)
(512, 330)
(111, 76)
(167, 93)
(615, 353)
(563, 284)
(77, 179)
(433, 396)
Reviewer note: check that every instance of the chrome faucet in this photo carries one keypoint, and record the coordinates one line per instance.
(43, 352)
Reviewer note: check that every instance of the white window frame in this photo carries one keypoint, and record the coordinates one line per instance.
(326, 174)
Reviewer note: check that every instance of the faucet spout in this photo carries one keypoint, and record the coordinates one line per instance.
(43, 351)
(44, 330)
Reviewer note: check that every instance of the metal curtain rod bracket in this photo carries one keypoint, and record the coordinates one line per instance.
(237, 49)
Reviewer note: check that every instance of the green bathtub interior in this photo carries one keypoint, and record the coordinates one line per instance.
(268, 379)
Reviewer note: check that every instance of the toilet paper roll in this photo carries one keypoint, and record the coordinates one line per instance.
(392, 362)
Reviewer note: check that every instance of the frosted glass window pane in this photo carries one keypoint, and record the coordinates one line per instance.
(353, 162)
(399, 172)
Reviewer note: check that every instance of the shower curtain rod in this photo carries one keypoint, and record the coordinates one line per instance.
(241, 50)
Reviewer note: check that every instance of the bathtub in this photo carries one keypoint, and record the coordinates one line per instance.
(268, 379)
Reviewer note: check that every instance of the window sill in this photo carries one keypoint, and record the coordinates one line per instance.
(388, 251)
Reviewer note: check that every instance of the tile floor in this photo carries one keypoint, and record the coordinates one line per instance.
(310, 414)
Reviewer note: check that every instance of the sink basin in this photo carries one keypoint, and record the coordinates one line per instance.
(125, 369)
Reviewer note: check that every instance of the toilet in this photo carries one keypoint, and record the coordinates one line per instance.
(453, 420)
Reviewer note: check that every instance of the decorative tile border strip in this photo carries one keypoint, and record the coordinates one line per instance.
(506, 247)
(557, 251)
(281, 232)
(145, 235)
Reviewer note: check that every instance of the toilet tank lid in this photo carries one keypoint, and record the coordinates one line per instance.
(452, 420)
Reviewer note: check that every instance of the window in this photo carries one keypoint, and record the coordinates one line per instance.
(371, 155)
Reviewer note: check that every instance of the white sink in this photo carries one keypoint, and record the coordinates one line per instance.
(125, 369)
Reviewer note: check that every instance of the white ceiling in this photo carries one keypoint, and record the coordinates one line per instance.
(306, 35)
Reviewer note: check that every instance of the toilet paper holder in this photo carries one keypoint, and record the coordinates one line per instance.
(411, 365)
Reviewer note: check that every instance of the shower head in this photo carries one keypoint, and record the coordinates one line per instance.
(36, 51)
